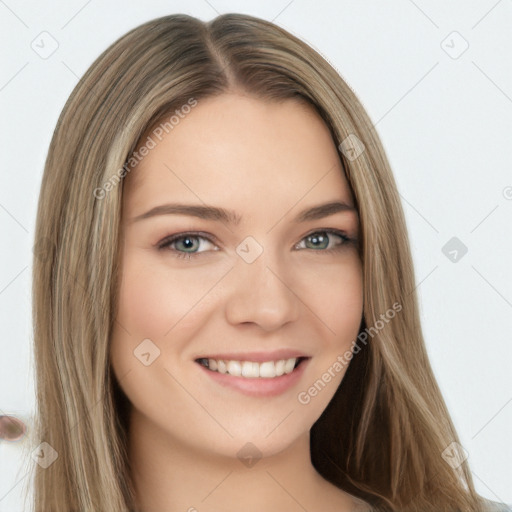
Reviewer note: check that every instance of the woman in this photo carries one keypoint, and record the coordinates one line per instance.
(224, 305)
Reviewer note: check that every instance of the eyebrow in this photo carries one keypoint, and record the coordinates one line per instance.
(230, 217)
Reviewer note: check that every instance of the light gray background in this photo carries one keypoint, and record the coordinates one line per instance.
(445, 119)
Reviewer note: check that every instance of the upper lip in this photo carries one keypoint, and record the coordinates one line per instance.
(258, 357)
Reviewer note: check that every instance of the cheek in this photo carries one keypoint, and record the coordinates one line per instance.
(338, 304)
(158, 303)
(143, 300)
(335, 295)
(146, 310)
(163, 306)
(153, 298)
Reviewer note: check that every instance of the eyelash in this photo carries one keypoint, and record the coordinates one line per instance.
(166, 242)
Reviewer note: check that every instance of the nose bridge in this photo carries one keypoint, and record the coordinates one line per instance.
(260, 290)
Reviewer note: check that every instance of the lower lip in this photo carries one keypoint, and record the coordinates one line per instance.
(263, 387)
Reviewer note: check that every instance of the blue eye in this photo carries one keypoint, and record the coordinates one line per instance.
(187, 245)
(189, 241)
(321, 240)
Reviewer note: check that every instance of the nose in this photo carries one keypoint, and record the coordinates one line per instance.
(262, 293)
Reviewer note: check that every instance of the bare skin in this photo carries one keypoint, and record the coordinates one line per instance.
(267, 162)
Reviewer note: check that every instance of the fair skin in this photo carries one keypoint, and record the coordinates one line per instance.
(267, 162)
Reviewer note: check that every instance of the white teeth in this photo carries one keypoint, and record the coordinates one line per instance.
(253, 370)
(221, 366)
(288, 366)
(268, 369)
(250, 369)
(280, 367)
(234, 368)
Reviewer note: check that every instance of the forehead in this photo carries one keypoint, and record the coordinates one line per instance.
(242, 152)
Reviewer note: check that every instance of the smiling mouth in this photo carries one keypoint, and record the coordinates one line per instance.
(252, 369)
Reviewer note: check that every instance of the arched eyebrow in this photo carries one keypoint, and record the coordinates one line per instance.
(230, 217)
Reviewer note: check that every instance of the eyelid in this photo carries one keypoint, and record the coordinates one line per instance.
(162, 244)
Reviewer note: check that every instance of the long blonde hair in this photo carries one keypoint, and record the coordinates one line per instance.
(382, 436)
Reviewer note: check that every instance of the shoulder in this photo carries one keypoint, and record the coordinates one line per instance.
(358, 505)
(495, 506)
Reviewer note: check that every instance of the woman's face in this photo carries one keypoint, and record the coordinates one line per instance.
(273, 286)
